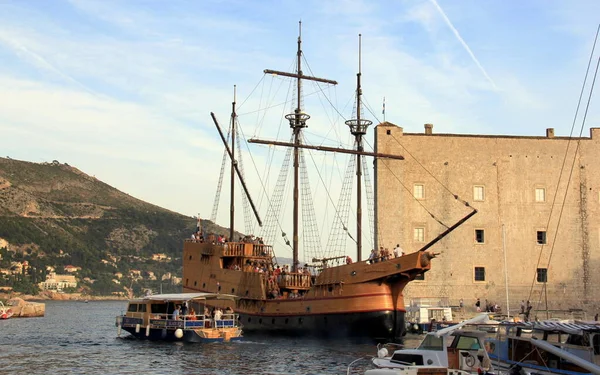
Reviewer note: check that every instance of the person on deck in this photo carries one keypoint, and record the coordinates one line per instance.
(218, 314)
(184, 309)
(176, 312)
(372, 256)
(192, 315)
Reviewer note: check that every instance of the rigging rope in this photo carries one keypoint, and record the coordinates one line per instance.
(245, 202)
(329, 195)
(572, 164)
(370, 200)
(213, 215)
(339, 230)
(311, 239)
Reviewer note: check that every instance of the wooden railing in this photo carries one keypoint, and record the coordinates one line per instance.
(234, 249)
(243, 249)
(294, 281)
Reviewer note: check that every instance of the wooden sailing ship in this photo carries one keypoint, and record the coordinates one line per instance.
(362, 298)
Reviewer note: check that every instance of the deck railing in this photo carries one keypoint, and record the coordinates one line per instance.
(243, 249)
(294, 280)
(193, 321)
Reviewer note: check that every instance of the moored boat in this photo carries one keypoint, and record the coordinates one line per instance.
(5, 311)
(180, 317)
(451, 350)
(358, 299)
(547, 347)
(426, 314)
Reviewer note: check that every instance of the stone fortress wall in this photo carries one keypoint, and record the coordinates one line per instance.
(513, 182)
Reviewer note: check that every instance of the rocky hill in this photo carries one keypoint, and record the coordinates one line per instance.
(53, 214)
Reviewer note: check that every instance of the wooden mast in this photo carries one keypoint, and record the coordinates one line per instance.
(358, 128)
(233, 162)
(297, 123)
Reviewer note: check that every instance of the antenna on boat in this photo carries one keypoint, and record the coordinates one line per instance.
(358, 128)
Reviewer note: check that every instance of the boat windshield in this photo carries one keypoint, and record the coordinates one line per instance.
(430, 342)
(468, 343)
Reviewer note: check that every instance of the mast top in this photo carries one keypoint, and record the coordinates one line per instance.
(359, 53)
(358, 126)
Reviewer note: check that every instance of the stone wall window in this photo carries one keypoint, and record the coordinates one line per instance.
(419, 235)
(478, 193)
(479, 236)
(541, 237)
(479, 273)
(542, 275)
(540, 194)
(419, 191)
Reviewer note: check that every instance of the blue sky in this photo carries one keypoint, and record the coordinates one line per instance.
(124, 89)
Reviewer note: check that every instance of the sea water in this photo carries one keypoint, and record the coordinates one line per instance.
(81, 338)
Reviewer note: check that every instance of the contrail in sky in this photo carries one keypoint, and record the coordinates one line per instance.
(464, 44)
(40, 61)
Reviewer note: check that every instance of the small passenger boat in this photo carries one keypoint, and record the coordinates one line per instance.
(180, 317)
(5, 312)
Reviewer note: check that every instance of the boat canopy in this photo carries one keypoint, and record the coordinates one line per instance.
(481, 318)
(190, 296)
(552, 326)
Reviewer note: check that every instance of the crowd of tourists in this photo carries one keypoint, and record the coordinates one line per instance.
(384, 254)
(182, 312)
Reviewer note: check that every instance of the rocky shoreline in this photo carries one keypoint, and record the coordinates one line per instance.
(53, 296)
(32, 306)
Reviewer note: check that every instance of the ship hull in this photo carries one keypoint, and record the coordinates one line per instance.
(372, 324)
(360, 299)
(169, 335)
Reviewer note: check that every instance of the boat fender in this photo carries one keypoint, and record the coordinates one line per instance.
(179, 333)
(416, 328)
(148, 330)
(382, 353)
(119, 330)
(137, 328)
